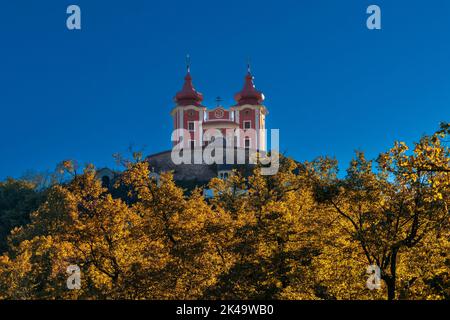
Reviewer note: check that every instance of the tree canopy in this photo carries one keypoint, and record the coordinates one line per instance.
(303, 233)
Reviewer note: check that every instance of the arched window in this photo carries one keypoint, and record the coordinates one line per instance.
(247, 143)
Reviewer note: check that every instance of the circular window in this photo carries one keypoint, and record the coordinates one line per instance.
(218, 113)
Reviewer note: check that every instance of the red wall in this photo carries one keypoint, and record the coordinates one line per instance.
(188, 117)
(245, 115)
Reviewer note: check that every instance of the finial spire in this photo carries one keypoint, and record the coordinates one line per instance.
(218, 101)
(188, 95)
(188, 63)
(249, 94)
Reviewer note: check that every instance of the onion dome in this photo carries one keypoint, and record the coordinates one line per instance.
(249, 94)
(188, 95)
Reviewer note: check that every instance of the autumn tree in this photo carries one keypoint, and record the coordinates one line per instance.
(273, 238)
(186, 230)
(395, 208)
(18, 199)
(79, 224)
(302, 233)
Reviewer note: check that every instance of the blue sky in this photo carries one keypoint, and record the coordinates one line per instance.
(331, 85)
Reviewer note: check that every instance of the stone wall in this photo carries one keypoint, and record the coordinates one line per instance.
(162, 162)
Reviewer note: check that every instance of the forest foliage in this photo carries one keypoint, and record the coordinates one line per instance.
(304, 233)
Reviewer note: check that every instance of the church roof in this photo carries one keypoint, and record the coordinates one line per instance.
(188, 95)
(249, 94)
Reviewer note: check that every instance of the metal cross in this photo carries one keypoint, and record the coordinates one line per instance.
(188, 63)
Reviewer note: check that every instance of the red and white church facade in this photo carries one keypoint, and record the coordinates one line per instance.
(190, 115)
(245, 120)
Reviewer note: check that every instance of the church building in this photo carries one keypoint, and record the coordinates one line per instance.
(248, 113)
(190, 115)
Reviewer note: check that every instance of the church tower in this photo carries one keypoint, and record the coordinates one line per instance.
(188, 112)
(250, 113)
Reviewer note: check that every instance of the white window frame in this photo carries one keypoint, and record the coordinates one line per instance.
(193, 126)
(248, 121)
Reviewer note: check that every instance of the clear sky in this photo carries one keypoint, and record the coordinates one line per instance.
(331, 85)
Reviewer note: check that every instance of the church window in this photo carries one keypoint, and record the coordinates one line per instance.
(224, 175)
(219, 113)
(191, 126)
(247, 124)
(247, 143)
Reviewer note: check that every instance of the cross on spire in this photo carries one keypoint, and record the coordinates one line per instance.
(188, 95)
(218, 100)
(188, 63)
